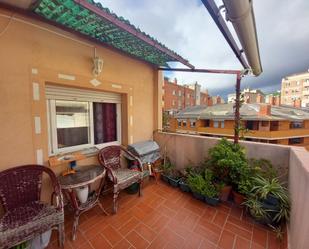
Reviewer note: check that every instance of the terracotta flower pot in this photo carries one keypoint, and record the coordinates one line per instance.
(225, 193)
(238, 198)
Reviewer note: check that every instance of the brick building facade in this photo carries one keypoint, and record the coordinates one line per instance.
(177, 97)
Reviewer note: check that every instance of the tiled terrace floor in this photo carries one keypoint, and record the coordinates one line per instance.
(164, 217)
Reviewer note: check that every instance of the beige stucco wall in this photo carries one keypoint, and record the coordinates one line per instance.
(26, 45)
(184, 149)
(298, 188)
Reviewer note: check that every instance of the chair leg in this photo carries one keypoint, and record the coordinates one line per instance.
(75, 224)
(140, 193)
(115, 202)
(61, 235)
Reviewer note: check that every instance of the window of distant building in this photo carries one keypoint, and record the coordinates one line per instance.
(174, 92)
(297, 140)
(178, 123)
(188, 95)
(296, 125)
(216, 124)
(192, 123)
(207, 123)
(298, 83)
(184, 123)
(173, 102)
(222, 124)
(179, 93)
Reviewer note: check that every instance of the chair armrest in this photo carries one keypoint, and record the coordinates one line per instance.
(57, 194)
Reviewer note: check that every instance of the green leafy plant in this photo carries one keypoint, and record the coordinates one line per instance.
(262, 167)
(264, 187)
(203, 184)
(271, 201)
(256, 209)
(228, 162)
(167, 166)
(196, 183)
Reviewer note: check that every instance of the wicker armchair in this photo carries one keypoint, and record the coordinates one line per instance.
(25, 216)
(110, 158)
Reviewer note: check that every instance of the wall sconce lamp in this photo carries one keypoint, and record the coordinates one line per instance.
(97, 64)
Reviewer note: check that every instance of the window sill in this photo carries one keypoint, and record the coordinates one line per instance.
(62, 158)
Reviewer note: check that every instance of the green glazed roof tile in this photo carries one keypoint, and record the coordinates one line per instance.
(80, 19)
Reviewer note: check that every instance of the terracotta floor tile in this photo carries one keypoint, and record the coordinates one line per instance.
(136, 240)
(236, 212)
(191, 221)
(128, 226)
(95, 229)
(256, 246)
(193, 241)
(220, 218)
(171, 237)
(210, 226)
(259, 236)
(80, 239)
(160, 223)
(111, 235)
(240, 223)
(227, 240)
(123, 244)
(99, 242)
(206, 244)
(207, 234)
(242, 243)
(165, 217)
(146, 232)
(238, 230)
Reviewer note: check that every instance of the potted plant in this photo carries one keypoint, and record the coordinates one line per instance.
(197, 183)
(166, 168)
(183, 185)
(228, 161)
(272, 198)
(174, 177)
(210, 191)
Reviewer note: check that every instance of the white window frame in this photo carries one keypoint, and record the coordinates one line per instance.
(52, 128)
(216, 124)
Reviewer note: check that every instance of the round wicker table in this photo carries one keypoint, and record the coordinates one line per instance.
(84, 176)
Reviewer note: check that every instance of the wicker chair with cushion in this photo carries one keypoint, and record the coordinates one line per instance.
(25, 215)
(110, 158)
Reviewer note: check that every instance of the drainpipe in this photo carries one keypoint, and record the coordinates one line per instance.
(240, 13)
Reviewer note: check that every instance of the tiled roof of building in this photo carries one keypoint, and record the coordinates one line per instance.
(247, 112)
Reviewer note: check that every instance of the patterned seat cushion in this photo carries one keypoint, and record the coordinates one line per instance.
(125, 178)
(27, 221)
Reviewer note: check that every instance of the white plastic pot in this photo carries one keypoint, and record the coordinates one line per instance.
(41, 241)
(82, 193)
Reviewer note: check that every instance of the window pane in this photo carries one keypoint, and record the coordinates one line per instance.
(105, 122)
(72, 119)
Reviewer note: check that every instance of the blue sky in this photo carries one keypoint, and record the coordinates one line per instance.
(186, 27)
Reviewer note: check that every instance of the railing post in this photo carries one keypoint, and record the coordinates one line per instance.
(237, 109)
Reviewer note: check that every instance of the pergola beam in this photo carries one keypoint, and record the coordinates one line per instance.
(214, 11)
(196, 70)
(128, 28)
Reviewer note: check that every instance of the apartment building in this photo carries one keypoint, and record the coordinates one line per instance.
(177, 97)
(295, 90)
(250, 96)
(273, 98)
(260, 122)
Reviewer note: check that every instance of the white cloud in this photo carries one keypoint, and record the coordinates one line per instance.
(187, 28)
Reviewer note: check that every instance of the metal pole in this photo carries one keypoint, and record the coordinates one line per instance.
(237, 109)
